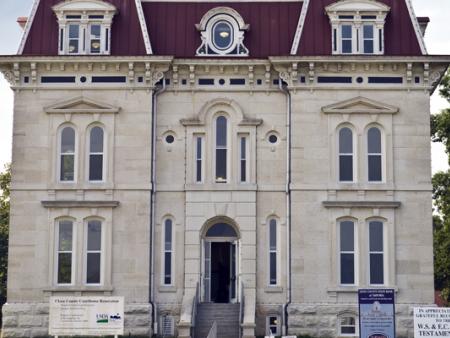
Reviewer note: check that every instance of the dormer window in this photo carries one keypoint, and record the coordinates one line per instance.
(357, 26)
(222, 32)
(84, 27)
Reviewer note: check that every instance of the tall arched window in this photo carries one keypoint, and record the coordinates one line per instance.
(168, 252)
(67, 155)
(376, 252)
(273, 252)
(96, 148)
(374, 155)
(93, 252)
(221, 149)
(345, 155)
(347, 252)
(64, 252)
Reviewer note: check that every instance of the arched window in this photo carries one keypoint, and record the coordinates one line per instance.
(67, 155)
(376, 252)
(64, 252)
(168, 252)
(347, 252)
(374, 155)
(273, 252)
(221, 230)
(221, 149)
(345, 155)
(96, 155)
(94, 252)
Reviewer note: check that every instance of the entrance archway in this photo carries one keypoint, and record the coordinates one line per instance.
(220, 263)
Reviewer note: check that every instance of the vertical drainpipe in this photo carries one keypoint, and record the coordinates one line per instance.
(158, 90)
(283, 87)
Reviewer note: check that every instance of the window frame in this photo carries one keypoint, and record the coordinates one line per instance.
(227, 148)
(271, 251)
(381, 155)
(243, 161)
(57, 251)
(383, 253)
(86, 251)
(353, 154)
(268, 325)
(165, 251)
(60, 154)
(355, 253)
(339, 326)
(199, 158)
(89, 153)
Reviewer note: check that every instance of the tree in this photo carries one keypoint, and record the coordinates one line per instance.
(440, 132)
(5, 181)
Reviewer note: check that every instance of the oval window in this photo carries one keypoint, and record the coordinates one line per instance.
(222, 35)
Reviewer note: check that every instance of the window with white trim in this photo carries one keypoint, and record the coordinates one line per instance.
(374, 155)
(243, 160)
(65, 258)
(273, 252)
(221, 153)
(347, 325)
(199, 159)
(94, 252)
(96, 154)
(273, 326)
(67, 154)
(346, 155)
(376, 253)
(84, 26)
(347, 252)
(222, 33)
(168, 252)
(357, 26)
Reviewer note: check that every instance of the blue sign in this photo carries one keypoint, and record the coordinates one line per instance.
(376, 313)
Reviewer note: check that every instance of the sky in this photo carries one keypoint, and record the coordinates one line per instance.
(437, 39)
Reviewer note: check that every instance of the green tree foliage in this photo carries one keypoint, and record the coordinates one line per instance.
(440, 132)
(5, 180)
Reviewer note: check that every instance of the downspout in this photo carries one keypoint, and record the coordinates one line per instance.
(283, 87)
(158, 90)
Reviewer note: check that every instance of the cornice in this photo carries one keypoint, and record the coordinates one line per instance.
(80, 204)
(362, 204)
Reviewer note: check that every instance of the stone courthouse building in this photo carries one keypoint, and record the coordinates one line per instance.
(252, 163)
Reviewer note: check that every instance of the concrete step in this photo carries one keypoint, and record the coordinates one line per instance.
(225, 315)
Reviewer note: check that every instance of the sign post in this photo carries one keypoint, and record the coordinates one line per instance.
(86, 316)
(376, 313)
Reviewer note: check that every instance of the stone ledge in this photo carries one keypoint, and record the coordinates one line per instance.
(57, 289)
(80, 204)
(362, 204)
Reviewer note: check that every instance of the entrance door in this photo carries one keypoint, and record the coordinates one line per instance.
(220, 272)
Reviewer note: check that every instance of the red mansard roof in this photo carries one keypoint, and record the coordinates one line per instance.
(126, 32)
(171, 27)
(399, 35)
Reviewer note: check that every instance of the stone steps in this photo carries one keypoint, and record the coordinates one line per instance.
(225, 315)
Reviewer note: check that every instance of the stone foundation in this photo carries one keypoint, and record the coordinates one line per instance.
(320, 320)
(31, 320)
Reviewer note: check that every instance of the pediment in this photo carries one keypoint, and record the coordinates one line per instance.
(81, 105)
(357, 6)
(84, 5)
(360, 105)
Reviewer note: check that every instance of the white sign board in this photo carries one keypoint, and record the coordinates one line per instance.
(431, 322)
(86, 316)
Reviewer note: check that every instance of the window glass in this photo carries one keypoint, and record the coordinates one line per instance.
(345, 141)
(243, 159)
(273, 251)
(95, 38)
(65, 242)
(67, 155)
(347, 236)
(223, 35)
(198, 159)
(273, 325)
(376, 252)
(68, 140)
(221, 230)
(94, 235)
(96, 154)
(221, 149)
(168, 251)
(374, 154)
(348, 325)
(345, 155)
(74, 37)
(93, 256)
(368, 36)
(347, 254)
(346, 31)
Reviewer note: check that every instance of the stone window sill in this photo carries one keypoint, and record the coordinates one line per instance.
(76, 288)
(354, 289)
(167, 288)
(273, 289)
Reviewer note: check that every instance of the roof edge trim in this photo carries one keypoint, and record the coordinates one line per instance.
(299, 30)
(144, 29)
(416, 26)
(28, 26)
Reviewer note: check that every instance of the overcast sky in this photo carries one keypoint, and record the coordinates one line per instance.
(437, 40)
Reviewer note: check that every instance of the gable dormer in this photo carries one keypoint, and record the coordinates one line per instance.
(357, 26)
(84, 27)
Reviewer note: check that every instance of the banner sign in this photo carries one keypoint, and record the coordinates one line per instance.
(431, 322)
(86, 316)
(376, 313)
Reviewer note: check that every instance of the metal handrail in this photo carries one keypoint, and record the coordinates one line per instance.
(195, 302)
(213, 331)
(241, 309)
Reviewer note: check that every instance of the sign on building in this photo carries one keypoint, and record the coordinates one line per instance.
(376, 313)
(86, 316)
(431, 322)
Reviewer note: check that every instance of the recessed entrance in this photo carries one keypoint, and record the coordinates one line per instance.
(219, 280)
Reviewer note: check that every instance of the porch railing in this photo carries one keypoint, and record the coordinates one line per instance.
(195, 302)
(241, 309)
